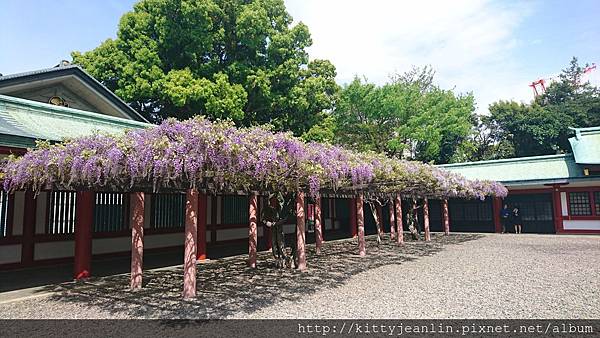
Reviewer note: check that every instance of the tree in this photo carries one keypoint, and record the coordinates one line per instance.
(542, 126)
(407, 118)
(221, 58)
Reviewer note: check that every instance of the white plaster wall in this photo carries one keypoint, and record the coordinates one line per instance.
(581, 224)
(10, 254)
(563, 204)
(108, 245)
(19, 204)
(50, 250)
(238, 233)
(40, 213)
(163, 240)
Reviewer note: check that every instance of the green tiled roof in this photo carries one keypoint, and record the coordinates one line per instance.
(536, 169)
(23, 121)
(586, 145)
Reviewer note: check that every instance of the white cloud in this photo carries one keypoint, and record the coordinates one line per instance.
(471, 44)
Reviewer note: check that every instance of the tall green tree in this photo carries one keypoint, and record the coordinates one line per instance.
(407, 118)
(235, 59)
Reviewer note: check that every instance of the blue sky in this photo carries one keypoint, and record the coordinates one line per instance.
(491, 48)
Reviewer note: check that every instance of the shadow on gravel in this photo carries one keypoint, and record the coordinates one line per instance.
(226, 286)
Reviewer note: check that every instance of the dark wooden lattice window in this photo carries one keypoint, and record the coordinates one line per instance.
(597, 202)
(456, 211)
(485, 211)
(3, 214)
(579, 204)
(168, 211)
(470, 211)
(61, 213)
(543, 211)
(110, 212)
(235, 209)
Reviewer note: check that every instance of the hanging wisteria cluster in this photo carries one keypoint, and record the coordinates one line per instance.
(219, 157)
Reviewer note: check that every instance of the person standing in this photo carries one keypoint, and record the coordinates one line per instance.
(504, 216)
(517, 220)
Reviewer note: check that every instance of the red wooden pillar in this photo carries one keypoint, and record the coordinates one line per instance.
(496, 207)
(398, 217)
(426, 219)
(380, 230)
(137, 239)
(191, 235)
(360, 215)
(253, 231)
(318, 225)
(29, 211)
(392, 219)
(84, 211)
(300, 232)
(558, 217)
(201, 249)
(446, 217)
(353, 225)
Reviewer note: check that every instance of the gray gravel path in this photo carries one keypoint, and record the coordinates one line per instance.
(472, 276)
(499, 276)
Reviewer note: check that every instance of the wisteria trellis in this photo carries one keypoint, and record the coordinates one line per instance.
(219, 157)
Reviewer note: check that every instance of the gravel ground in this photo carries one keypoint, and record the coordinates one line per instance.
(460, 276)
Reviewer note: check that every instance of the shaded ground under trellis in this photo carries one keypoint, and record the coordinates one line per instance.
(227, 286)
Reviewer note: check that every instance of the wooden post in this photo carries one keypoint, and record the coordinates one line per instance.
(399, 225)
(84, 209)
(252, 231)
(137, 239)
(191, 235)
(360, 215)
(446, 217)
(392, 209)
(353, 225)
(558, 217)
(426, 219)
(29, 213)
(496, 207)
(201, 249)
(379, 212)
(300, 232)
(318, 225)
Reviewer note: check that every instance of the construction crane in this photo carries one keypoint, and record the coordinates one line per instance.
(539, 86)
